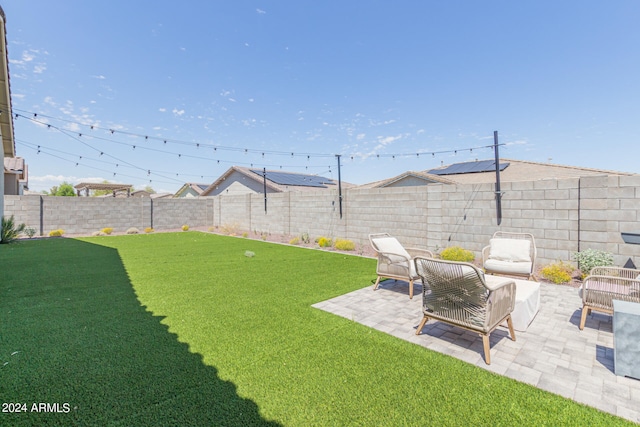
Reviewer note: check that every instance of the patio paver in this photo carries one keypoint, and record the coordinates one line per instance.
(553, 354)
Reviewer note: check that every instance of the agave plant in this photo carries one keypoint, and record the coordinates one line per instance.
(9, 230)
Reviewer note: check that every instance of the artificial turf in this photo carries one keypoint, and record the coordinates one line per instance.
(184, 329)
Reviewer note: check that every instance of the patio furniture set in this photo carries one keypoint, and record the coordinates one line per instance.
(480, 300)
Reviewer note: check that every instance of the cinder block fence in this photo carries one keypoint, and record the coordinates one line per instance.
(564, 215)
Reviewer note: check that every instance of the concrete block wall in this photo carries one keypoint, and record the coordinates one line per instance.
(564, 215)
(174, 213)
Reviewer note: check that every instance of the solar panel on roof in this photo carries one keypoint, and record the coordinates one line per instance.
(297, 179)
(469, 167)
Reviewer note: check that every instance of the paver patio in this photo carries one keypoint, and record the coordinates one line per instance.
(553, 354)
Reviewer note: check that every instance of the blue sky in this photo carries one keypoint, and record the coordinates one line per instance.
(290, 84)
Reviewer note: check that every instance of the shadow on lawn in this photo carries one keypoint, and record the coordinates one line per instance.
(73, 335)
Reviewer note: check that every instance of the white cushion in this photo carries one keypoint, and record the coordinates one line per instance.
(391, 245)
(511, 250)
(507, 267)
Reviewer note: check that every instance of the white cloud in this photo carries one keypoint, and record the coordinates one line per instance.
(260, 11)
(162, 110)
(385, 140)
(360, 136)
(99, 77)
(177, 112)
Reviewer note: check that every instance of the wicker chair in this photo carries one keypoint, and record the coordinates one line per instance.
(603, 285)
(510, 254)
(456, 293)
(394, 261)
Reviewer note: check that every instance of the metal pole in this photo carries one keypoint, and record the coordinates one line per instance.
(339, 186)
(498, 192)
(264, 184)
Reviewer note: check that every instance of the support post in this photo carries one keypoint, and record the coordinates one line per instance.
(339, 186)
(264, 184)
(498, 191)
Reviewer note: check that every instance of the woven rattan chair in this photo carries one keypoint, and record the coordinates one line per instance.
(394, 261)
(456, 293)
(510, 254)
(603, 285)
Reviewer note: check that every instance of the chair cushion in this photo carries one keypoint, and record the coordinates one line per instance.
(507, 267)
(391, 245)
(511, 250)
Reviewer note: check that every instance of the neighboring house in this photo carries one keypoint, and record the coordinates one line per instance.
(484, 171)
(16, 177)
(6, 113)
(242, 180)
(191, 189)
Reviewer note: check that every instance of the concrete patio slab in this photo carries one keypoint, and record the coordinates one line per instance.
(552, 354)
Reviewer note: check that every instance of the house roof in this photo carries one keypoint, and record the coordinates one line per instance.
(279, 181)
(14, 165)
(197, 187)
(484, 172)
(6, 113)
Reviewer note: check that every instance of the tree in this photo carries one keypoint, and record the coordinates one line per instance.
(97, 193)
(149, 190)
(65, 189)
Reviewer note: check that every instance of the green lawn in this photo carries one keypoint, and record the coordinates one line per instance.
(184, 329)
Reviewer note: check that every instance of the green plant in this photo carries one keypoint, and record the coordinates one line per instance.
(212, 229)
(10, 231)
(56, 233)
(107, 230)
(149, 230)
(344, 245)
(185, 227)
(456, 253)
(294, 241)
(245, 234)
(558, 272)
(249, 254)
(325, 242)
(29, 231)
(590, 258)
(305, 237)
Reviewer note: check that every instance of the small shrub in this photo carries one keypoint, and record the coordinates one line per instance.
(29, 231)
(590, 258)
(245, 234)
(249, 254)
(305, 238)
(324, 242)
(133, 230)
(56, 233)
(559, 272)
(294, 241)
(230, 229)
(264, 235)
(107, 230)
(212, 229)
(10, 231)
(185, 227)
(98, 233)
(149, 230)
(344, 245)
(456, 253)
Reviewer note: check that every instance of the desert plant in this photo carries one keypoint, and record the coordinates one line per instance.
(185, 227)
(294, 241)
(212, 229)
(558, 272)
(10, 231)
(133, 230)
(149, 230)
(249, 254)
(590, 258)
(344, 245)
(245, 234)
(29, 231)
(456, 253)
(56, 233)
(305, 237)
(324, 242)
(230, 229)
(107, 230)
